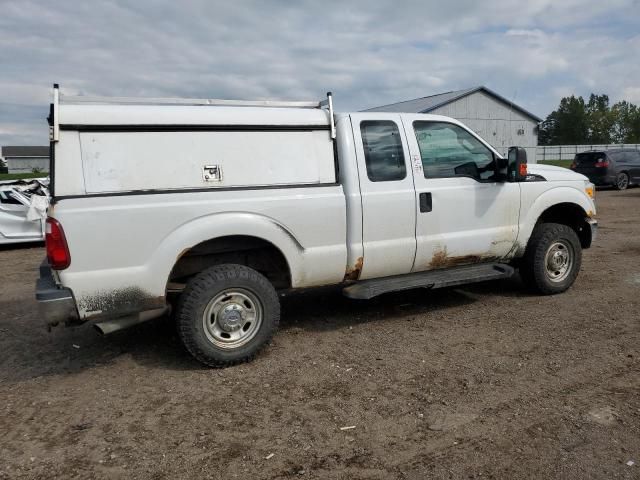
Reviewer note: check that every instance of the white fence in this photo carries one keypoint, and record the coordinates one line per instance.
(567, 152)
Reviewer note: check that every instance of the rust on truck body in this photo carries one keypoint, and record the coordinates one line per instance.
(441, 259)
(353, 273)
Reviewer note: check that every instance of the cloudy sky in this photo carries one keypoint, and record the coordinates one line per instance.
(367, 52)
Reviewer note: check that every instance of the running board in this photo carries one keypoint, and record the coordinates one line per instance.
(432, 279)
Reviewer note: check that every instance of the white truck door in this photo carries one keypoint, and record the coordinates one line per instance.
(388, 195)
(465, 213)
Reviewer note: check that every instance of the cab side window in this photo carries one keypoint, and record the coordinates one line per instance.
(448, 150)
(383, 150)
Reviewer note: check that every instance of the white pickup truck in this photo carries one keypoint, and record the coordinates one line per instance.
(210, 208)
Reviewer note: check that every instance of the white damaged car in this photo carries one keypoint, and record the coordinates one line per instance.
(23, 208)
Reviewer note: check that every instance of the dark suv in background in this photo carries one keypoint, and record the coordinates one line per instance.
(618, 167)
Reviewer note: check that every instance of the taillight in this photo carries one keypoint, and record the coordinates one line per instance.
(573, 165)
(57, 248)
(602, 164)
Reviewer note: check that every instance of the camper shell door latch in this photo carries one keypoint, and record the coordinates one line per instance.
(212, 173)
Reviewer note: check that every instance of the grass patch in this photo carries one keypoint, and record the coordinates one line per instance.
(557, 163)
(20, 176)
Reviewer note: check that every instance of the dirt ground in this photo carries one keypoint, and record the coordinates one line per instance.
(485, 381)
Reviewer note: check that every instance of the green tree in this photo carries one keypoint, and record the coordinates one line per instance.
(600, 120)
(566, 125)
(627, 124)
(577, 122)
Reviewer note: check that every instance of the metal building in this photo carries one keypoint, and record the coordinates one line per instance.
(21, 159)
(499, 121)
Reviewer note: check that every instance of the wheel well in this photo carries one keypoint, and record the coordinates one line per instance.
(571, 215)
(252, 252)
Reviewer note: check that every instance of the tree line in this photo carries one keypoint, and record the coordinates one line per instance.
(579, 122)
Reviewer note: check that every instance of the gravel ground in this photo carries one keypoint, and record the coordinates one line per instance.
(485, 381)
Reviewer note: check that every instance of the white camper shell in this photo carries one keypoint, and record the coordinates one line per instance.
(243, 145)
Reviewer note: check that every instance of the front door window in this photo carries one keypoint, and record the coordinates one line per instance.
(450, 151)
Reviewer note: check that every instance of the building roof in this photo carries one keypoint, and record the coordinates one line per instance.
(19, 151)
(430, 103)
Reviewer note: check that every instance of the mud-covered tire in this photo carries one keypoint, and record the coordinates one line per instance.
(218, 303)
(622, 181)
(542, 268)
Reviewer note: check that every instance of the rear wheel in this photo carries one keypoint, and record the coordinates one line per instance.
(226, 314)
(552, 259)
(622, 181)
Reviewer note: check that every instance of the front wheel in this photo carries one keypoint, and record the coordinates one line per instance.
(552, 259)
(226, 314)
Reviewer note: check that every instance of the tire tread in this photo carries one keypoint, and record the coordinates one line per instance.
(199, 287)
(532, 268)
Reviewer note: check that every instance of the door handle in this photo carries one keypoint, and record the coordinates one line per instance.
(426, 204)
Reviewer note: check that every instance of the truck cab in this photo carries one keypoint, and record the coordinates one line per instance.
(432, 196)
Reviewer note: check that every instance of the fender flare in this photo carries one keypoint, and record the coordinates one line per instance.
(218, 225)
(555, 196)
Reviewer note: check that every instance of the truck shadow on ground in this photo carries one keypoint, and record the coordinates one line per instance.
(326, 308)
(31, 352)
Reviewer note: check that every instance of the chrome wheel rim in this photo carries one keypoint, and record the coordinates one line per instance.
(623, 181)
(558, 260)
(232, 318)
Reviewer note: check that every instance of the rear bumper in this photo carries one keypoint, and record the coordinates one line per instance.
(601, 180)
(55, 304)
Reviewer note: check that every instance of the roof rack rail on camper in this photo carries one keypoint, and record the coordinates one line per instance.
(60, 97)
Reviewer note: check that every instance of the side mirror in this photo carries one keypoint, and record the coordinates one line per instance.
(500, 165)
(517, 167)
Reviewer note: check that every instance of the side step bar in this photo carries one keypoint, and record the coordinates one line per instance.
(366, 289)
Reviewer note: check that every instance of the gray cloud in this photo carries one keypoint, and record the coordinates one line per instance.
(368, 53)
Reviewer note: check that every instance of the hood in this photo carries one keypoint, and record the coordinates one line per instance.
(553, 173)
